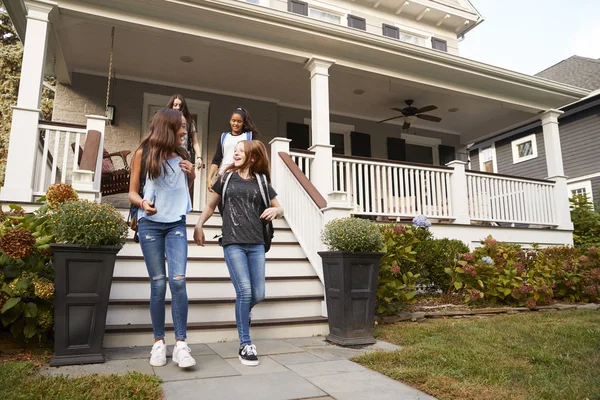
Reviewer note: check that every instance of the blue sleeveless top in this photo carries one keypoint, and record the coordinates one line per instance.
(169, 193)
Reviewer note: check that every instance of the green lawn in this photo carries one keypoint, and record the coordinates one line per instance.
(20, 380)
(522, 356)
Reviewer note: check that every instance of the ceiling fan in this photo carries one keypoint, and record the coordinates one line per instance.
(411, 114)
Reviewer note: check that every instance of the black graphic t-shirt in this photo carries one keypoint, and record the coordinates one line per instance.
(242, 209)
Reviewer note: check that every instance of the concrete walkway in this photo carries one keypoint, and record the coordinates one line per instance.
(303, 368)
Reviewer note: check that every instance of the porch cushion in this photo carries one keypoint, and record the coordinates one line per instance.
(107, 165)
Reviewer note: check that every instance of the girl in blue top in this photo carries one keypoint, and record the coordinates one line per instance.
(162, 169)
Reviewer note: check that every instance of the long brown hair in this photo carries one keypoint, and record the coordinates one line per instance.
(257, 160)
(184, 107)
(162, 141)
(249, 125)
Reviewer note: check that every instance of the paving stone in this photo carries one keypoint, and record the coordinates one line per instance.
(296, 358)
(308, 341)
(276, 386)
(264, 347)
(329, 353)
(589, 306)
(210, 366)
(548, 310)
(366, 385)
(417, 315)
(380, 345)
(107, 368)
(267, 366)
(491, 310)
(326, 368)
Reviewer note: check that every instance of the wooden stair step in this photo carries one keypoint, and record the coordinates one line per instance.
(225, 300)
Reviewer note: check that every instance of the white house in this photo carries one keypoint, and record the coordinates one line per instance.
(321, 73)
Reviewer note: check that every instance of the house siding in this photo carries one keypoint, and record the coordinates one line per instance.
(535, 168)
(580, 135)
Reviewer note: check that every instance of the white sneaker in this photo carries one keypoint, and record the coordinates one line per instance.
(158, 355)
(182, 356)
(248, 355)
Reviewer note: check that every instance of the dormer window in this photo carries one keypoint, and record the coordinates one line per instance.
(357, 22)
(298, 7)
(391, 31)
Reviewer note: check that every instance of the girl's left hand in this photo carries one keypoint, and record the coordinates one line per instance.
(186, 166)
(270, 213)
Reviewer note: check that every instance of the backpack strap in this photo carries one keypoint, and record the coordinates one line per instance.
(143, 171)
(264, 189)
(223, 136)
(249, 135)
(227, 178)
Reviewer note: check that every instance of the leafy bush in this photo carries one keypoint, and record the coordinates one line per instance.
(89, 223)
(352, 234)
(26, 272)
(396, 286)
(586, 222)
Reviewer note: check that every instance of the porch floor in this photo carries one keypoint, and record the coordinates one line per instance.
(301, 368)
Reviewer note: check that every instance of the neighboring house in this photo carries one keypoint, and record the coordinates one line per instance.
(520, 150)
(325, 74)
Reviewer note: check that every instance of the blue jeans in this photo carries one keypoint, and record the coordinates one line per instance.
(158, 239)
(246, 265)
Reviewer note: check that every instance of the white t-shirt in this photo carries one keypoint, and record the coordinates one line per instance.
(228, 146)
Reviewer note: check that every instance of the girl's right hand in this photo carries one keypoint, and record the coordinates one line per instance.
(199, 236)
(149, 208)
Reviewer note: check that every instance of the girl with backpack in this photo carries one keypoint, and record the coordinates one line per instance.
(248, 203)
(242, 128)
(161, 172)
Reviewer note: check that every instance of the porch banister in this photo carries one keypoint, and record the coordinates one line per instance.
(459, 193)
(319, 104)
(556, 172)
(278, 145)
(22, 149)
(97, 123)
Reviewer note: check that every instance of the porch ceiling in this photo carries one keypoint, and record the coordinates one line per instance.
(237, 65)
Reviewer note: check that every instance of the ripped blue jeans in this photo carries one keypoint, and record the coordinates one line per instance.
(159, 239)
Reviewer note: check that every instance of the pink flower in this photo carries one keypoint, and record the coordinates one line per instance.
(475, 294)
(468, 257)
(399, 229)
(395, 269)
(584, 259)
(520, 268)
(593, 250)
(530, 303)
(569, 283)
(470, 270)
(489, 242)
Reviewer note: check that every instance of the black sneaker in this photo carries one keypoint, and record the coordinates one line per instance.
(248, 355)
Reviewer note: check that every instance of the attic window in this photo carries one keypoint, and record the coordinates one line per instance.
(357, 22)
(439, 44)
(298, 7)
(391, 31)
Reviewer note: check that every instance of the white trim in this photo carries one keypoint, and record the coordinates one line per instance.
(586, 185)
(201, 108)
(515, 148)
(584, 177)
(329, 9)
(494, 158)
(336, 127)
(263, 3)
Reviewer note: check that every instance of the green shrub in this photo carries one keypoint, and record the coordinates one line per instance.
(89, 223)
(352, 234)
(397, 286)
(586, 222)
(26, 272)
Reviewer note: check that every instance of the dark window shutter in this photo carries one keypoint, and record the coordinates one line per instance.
(298, 7)
(357, 22)
(447, 154)
(299, 133)
(439, 44)
(391, 31)
(360, 143)
(396, 149)
(337, 140)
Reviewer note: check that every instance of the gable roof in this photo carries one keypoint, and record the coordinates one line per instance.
(577, 71)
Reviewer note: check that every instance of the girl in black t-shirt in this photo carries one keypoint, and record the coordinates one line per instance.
(243, 243)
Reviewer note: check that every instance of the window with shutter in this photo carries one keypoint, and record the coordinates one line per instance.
(391, 31)
(299, 134)
(360, 144)
(439, 44)
(357, 22)
(298, 7)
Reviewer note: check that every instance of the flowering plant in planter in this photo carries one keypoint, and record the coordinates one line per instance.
(89, 223)
(356, 235)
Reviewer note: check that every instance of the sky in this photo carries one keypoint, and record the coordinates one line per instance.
(529, 36)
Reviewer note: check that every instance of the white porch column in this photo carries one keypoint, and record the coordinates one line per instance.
(319, 104)
(556, 172)
(459, 193)
(278, 145)
(22, 148)
(97, 123)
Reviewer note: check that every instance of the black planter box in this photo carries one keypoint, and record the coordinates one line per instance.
(350, 289)
(82, 281)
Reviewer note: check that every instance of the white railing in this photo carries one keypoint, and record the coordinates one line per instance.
(303, 160)
(497, 198)
(56, 159)
(303, 216)
(394, 189)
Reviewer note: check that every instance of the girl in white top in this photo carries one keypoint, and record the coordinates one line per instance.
(242, 128)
